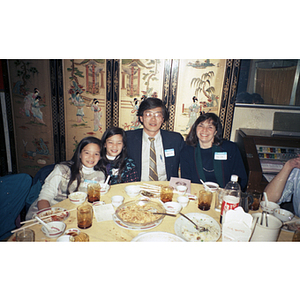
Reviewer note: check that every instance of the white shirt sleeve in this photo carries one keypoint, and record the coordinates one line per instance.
(50, 187)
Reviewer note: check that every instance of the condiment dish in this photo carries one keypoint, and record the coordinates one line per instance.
(283, 214)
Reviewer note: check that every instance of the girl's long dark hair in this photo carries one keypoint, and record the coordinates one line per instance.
(192, 138)
(119, 162)
(75, 163)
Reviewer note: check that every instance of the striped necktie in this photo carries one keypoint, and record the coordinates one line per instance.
(152, 161)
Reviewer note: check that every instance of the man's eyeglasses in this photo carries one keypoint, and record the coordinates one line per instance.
(153, 114)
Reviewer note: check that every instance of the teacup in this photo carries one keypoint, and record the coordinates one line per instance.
(183, 201)
(117, 200)
(181, 189)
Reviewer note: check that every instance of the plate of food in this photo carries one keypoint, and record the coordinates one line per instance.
(140, 214)
(186, 230)
(50, 214)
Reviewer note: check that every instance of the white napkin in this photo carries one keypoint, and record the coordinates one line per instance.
(103, 212)
(236, 226)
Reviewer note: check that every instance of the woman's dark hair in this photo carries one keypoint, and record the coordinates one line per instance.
(75, 163)
(150, 103)
(192, 138)
(119, 161)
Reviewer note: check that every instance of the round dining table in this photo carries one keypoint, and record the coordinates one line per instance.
(111, 231)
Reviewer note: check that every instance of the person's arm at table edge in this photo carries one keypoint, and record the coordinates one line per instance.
(276, 186)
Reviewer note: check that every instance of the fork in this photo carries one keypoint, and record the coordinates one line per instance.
(199, 228)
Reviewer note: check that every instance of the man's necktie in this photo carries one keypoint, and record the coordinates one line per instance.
(152, 161)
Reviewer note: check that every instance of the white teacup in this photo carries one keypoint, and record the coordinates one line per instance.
(183, 200)
(117, 200)
(181, 189)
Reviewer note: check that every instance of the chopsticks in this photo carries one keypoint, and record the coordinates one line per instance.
(35, 221)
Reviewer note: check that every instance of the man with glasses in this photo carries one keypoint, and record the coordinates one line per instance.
(165, 145)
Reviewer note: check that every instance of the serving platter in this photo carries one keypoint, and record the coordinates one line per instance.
(132, 227)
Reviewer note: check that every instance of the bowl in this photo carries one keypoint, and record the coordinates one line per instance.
(212, 185)
(132, 190)
(270, 208)
(117, 200)
(77, 197)
(183, 201)
(64, 238)
(104, 189)
(139, 213)
(283, 214)
(58, 229)
(172, 207)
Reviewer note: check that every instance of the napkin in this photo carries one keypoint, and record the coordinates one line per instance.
(237, 226)
(103, 212)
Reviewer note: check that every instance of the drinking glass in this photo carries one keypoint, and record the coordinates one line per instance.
(25, 235)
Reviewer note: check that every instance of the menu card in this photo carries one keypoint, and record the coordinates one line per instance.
(174, 181)
(103, 212)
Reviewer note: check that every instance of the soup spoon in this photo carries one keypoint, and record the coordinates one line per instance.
(45, 224)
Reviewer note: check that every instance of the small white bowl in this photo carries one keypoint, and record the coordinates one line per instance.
(270, 208)
(283, 214)
(181, 189)
(77, 197)
(183, 200)
(63, 238)
(172, 207)
(132, 190)
(212, 185)
(117, 200)
(58, 229)
(103, 189)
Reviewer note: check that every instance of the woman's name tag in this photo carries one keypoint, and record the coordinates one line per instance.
(220, 155)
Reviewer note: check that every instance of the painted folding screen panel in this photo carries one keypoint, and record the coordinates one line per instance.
(32, 113)
(199, 89)
(84, 100)
(138, 78)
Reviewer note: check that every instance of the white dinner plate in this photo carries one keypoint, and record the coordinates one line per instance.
(62, 214)
(157, 236)
(186, 230)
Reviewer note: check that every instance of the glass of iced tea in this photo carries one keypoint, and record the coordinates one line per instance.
(84, 216)
(255, 199)
(93, 192)
(204, 199)
(166, 194)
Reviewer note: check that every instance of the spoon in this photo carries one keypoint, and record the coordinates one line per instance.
(205, 185)
(43, 223)
(200, 228)
(266, 199)
(106, 182)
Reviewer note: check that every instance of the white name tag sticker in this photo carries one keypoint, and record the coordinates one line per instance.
(220, 155)
(169, 152)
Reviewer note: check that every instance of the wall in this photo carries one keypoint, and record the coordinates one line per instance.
(257, 118)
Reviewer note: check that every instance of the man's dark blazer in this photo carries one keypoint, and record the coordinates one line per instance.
(171, 140)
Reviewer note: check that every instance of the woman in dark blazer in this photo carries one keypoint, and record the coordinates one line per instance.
(208, 157)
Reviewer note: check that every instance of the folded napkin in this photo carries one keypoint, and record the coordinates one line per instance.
(103, 212)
